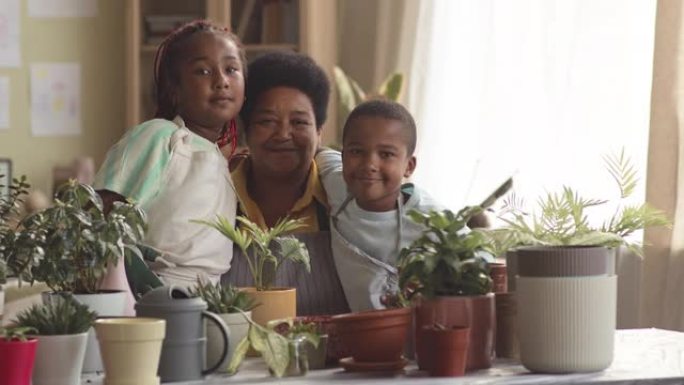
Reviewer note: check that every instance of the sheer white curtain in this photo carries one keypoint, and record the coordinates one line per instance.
(537, 88)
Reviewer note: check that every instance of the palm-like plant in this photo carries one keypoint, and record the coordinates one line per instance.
(562, 217)
(264, 246)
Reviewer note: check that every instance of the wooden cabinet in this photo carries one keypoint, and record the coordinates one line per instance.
(308, 26)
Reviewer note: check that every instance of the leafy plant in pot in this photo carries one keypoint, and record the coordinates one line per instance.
(79, 243)
(17, 355)
(445, 272)
(566, 265)
(61, 328)
(282, 352)
(311, 356)
(233, 306)
(265, 250)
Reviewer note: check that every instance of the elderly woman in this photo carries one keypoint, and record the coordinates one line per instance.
(283, 114)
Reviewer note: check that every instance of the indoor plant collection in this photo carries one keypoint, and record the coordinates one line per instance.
(61, 329)
(265, 250)
(70, 246)
(565, 266)
(445, 273)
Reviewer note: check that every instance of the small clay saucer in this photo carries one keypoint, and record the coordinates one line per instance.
(352, 366)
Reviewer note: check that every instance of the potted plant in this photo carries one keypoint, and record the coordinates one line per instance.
(448, 349)
(229, 303)
(61, 328)
(566, 266)
(78, 242)
(264, 248)
(283, 353)
(17, 355)
(446, 273)
(314, 356)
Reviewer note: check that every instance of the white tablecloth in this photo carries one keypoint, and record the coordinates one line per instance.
(642, 356)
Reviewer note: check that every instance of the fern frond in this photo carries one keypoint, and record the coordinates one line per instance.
(622, 170)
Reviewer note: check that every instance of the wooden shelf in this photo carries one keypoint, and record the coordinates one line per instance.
(308, 26)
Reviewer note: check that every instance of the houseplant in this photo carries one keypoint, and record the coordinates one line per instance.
(61, 328)
(229, 303)
(446, 272)
(19, 250)
(262, 249)
(312, 355)
(79, 242)
(280, 352)
(17, 355)
(565, 265)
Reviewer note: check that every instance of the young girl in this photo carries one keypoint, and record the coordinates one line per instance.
(172, 165)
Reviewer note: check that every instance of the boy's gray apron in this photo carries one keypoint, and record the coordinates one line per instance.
(318, 292)
(365, 279)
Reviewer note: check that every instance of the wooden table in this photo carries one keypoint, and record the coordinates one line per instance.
(642, 356)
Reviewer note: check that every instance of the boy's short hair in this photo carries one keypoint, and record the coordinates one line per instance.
(389, 110)
(287, 69)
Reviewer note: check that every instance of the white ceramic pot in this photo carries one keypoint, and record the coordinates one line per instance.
(131, 348)
(238, 327)
(105, 305)
(59, 359)
(566, 324)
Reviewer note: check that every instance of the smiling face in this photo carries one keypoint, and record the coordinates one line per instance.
(375, 160)
(210, 89)
(282, 135)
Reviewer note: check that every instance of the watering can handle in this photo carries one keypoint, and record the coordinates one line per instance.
(224, 333)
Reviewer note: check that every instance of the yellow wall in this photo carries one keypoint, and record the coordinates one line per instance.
(97, 43)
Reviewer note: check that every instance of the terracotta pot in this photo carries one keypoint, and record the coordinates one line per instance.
(498, 273)
(276, 303)
(375, 335)
(16, 361)
(476, 312)
(506, 326)
(448, 350)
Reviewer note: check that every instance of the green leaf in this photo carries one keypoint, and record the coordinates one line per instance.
(238, 355)
(391, 87)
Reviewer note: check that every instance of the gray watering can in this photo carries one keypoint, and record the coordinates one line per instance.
(183, 350)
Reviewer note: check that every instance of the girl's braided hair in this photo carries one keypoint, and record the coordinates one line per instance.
(166, 62)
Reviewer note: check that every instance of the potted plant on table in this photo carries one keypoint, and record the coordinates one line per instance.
(17, 355)
(61, 328)
(282, 352)
(78, 243)
(312, 356)
(445, 272)
(566, 266)
(264, 248)
(234, 307)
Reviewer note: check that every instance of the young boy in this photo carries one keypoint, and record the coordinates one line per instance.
(369, 201)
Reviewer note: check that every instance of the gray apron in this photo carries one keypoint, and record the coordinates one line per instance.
(318, 292)
(365, 279)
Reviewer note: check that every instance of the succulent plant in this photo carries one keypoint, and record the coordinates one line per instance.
(59, 316)
(224, 299)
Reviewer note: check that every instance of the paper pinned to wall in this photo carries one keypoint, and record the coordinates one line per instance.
(10, 52)
(55, 99)
(4, 102)
(62, 8)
